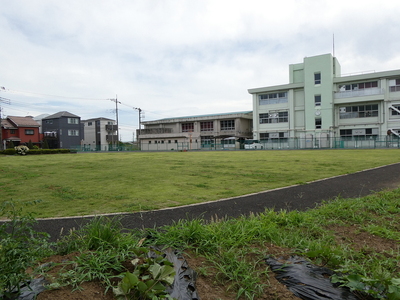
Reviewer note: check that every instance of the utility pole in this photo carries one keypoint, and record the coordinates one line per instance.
(140, 125)
(116, 115)
(6, 101)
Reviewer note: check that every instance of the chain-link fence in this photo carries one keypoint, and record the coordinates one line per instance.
(272, 144)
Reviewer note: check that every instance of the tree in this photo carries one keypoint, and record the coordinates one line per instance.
(45, 145)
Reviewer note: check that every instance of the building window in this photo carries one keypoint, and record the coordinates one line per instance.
(317, 78)
(365, 133)
(12, 131)
(176, 141)
(89, 123)
(272, 98)
(149, 142)
(72, 132)
(274, 117)
(73, 121)
(318, 123)
(169, 141)
(395, 112)
(358, 111)
(187, 127)
(48, 121)
(358, 86)
(207, 126)
(273, 136)
(228, 125)
(29, 132)
(207, 140)
(317, 100)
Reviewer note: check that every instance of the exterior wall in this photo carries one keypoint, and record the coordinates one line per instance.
(18, 133)
(337, 95)
(189, 133)
(61, 128)
(99, 134)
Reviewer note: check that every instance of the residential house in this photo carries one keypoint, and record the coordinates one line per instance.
(224, 130)
(319, 107)
(20, 131)
(63, 130)
(99, 134)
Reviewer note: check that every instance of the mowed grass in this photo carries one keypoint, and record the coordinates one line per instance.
(96, 183)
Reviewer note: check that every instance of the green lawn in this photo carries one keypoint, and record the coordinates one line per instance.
(95, 183)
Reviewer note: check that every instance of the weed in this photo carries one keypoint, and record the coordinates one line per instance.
(20, 247)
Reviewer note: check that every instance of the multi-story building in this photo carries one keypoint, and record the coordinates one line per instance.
(319, 107)
(224, 130)
(99, 134)
(63, 130)
(20, 131)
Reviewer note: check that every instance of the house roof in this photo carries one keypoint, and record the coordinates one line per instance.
(23, 121)
(61, 114)
(6, 124)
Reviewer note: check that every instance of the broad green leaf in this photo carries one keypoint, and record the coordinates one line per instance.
(158, 287)
(142, 287)
(155, 270)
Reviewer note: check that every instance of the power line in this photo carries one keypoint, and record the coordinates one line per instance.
(48, 95)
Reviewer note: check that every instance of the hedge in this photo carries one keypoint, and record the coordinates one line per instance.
(39, 151)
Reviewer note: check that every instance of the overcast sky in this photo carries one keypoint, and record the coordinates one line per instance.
(177, 58)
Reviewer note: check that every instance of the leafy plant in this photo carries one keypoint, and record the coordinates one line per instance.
(20, 247)
(151, 275)
(380, 289)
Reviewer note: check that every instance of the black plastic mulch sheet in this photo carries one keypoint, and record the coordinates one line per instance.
(184, 286)
(307, 281)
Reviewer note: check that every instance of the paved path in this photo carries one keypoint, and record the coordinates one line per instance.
(300, 197)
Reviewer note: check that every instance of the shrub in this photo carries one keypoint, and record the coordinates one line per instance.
(10, 151)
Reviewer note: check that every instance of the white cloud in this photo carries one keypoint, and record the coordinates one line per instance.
(176, 57)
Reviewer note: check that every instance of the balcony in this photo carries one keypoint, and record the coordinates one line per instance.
(111, 127)
(358, 93)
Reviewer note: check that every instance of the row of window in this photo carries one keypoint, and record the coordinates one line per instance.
(275, 117)
(358, 86)
(358, 111)
(162, 142)
(209, 126)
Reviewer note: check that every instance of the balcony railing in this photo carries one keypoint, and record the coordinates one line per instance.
(111, 127)
(358, 93)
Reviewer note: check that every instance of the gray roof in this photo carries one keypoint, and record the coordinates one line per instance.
(210, 115)
(61, 114)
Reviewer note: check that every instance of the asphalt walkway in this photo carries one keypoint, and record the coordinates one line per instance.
(299, 197)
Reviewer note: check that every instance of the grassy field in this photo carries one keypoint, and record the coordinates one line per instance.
(95, 183)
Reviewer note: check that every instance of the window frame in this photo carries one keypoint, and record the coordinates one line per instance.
(73, 132)
(317, 78)
(227, 125)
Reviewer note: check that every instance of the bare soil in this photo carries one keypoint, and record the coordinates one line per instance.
(206, 284)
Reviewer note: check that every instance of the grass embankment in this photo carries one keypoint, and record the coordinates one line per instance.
(83, 184)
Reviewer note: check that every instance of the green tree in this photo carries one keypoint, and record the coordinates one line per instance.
(45, 145)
